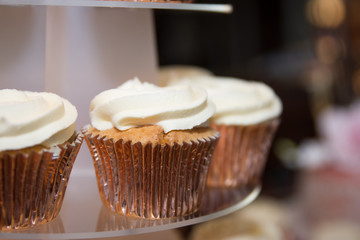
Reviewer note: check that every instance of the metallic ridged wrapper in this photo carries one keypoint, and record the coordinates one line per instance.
(111, 221)
(241, 154)
(32, 185)
(219, 198)
(151, 181)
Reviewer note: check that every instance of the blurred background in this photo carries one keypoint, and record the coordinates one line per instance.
(309, 52)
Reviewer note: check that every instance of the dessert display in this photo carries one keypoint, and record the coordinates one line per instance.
(144, 166)
(38, 147)
(151, 148)
(247, 116)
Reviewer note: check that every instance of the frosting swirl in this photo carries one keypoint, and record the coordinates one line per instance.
(239, 102)
(34, 118)
(136, 104)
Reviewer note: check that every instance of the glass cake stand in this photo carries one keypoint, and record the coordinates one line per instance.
(218, 8)
(83, 216)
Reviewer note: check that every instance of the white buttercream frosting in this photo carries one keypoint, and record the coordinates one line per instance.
(135, 104)
(238, 102)
(34, 118)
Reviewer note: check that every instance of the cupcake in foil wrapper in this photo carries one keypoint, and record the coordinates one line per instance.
(33, 183)
(151, 180)
(241, 153)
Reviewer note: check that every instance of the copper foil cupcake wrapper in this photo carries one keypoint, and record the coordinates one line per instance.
(151, 181)
(32, 185)
(219, 198)
(241, 153)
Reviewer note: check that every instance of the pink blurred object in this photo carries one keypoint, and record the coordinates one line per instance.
(329, 184)
(339, 129)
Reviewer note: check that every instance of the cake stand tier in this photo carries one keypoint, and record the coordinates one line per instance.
(83, 216)
(219, 8)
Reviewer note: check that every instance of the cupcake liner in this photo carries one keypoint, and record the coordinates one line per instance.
(151, 181)
(32, 185)
(241, 154)
(219, 198)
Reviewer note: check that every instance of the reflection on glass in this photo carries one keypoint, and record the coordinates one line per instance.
(110, 221)
(215, 200)
(55, 226)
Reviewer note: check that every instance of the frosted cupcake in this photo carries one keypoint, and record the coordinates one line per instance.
(151, 148)
(247, 116)
(38, 146)
(171, 74)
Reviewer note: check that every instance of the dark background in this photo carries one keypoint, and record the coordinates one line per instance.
(268, 41)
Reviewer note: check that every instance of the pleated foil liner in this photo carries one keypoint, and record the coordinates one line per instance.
(32, 185)
(220, 198)
(241, 154)
(111, 221)
(159, 181)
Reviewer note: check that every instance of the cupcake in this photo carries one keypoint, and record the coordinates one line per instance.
(171, 74)
(38, 146)
(151, 148)
(247, 116)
